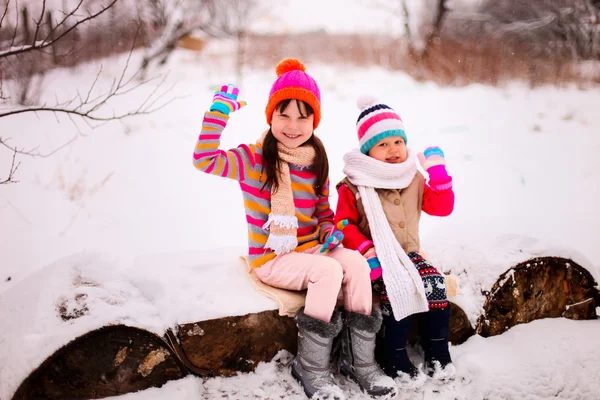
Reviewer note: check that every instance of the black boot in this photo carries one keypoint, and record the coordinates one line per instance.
(394, 336)
(435, 327)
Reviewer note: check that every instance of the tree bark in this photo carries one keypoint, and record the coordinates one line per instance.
(106, 362)
(543, 287)
(227, 345)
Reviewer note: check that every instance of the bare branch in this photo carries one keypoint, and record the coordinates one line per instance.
(66, 17)
(88, 108)
(179, 18)
(2, 86)
(14, 36)
(13, 169)
(40, 44)
(4, 13)
(38, 23)
(34, 151)
(84, 114)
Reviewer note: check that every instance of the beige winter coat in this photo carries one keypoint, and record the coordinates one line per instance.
(402, 208)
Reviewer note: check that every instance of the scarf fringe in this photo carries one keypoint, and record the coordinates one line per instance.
(282, 244)
(284, 221)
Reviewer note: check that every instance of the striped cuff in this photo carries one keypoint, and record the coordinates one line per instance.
(216, 115)
(441, 186)
(324, 232)
(364, 246)
(374, 263)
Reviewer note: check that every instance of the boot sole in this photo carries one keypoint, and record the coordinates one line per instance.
(350, 377)
(298, 378)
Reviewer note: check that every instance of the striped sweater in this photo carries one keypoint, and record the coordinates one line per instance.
(244, 164)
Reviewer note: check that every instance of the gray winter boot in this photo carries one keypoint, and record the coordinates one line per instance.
(311, 365)
(357, 358)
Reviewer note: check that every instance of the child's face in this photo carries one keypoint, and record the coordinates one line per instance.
(292, 126)
(391, 150)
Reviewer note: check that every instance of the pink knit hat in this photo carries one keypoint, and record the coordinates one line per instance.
(294, 83)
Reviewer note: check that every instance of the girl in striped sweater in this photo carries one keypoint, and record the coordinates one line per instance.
(292, 241)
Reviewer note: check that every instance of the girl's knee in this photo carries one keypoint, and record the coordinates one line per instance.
(347, 256)
(355, 263)
(329, 269)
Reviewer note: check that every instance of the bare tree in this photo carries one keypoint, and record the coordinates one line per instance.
(237, 17)
(433, 28)
(42, 38)
(173, 19)
(422, 21)
(90, 106)
(565, 28)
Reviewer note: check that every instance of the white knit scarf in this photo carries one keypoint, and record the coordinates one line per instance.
(402, 281)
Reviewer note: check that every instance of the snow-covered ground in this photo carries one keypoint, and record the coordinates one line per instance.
(121, 217)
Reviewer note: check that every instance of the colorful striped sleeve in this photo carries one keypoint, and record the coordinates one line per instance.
(235, 163)
(324, 213)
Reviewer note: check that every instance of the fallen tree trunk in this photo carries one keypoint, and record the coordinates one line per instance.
(106, 362)
(543, 287)
(225, 346)
(119, 359)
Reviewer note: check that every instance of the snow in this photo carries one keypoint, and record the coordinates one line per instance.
(119, 225)
(95, 290)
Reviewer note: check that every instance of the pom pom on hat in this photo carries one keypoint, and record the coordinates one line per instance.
(289, 64)
(294, 83)
(365, 101)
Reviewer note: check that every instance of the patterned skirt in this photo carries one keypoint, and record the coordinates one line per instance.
(435, 286)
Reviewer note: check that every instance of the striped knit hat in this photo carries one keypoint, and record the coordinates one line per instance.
(294, 83)
(375, 122)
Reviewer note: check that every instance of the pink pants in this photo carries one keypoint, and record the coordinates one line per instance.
(322, 274)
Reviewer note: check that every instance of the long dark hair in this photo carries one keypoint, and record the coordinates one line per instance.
(271, 160)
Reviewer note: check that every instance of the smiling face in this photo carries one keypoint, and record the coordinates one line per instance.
(292, 123)
(391, 150)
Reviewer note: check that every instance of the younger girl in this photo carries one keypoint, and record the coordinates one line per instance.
(291, 237)
(382, 198)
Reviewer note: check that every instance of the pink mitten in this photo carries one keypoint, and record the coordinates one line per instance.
(434, 162)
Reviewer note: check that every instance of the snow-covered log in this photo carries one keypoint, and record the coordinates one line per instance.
(118, 359)
(106, 362)
(225, 346)
(543, 287)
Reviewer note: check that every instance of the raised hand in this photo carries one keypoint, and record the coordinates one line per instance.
(225, 100)
(434, 162)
